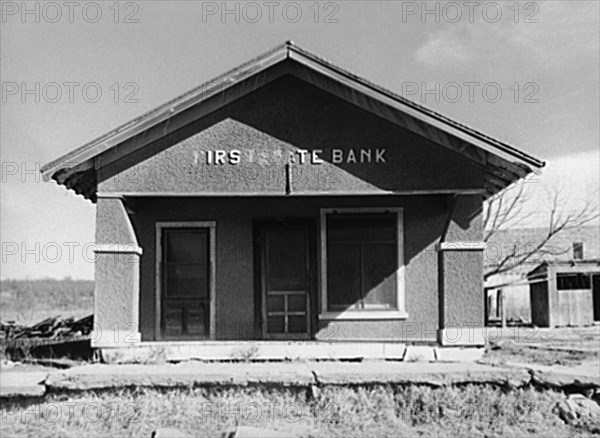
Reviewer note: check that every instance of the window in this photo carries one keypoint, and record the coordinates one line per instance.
(573, 281)
(185, 263)
(577, 250)
(362, 263)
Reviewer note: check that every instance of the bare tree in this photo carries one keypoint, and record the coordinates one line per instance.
(508, 210)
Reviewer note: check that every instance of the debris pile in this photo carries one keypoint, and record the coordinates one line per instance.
(52, 329)
(51, 338)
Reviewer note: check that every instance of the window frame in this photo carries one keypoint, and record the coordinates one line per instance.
(397, 313)
(212, 251)
(579, 275)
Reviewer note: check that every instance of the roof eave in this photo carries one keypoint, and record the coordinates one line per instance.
(64, 168)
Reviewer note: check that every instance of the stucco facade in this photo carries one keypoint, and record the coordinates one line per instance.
(428, 271)
(292, 143)
(235, 313)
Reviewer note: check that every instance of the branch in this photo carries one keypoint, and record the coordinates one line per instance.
(504, 210)
(557, 223)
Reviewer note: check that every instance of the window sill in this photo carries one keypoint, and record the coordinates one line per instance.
(362, 315)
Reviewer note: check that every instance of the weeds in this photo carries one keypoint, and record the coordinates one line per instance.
(471, 410)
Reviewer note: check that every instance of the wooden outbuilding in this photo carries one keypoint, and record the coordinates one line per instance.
(565, 293)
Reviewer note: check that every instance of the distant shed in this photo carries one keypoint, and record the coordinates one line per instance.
(565, 293)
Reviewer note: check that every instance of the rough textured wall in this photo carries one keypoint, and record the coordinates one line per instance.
(282, 118)
(423, 221)
(117, 284)
(112, 223)
(463, 288)
(117, 274)
(467, 223)
(462, 270)
(285, 117)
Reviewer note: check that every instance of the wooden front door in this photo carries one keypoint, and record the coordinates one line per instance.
(285, 280)
(185, 273)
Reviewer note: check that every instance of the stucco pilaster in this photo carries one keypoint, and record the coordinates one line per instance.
(117, 277)
(460, 275)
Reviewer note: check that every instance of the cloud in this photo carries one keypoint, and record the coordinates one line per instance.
(446, 49)
(564, 34)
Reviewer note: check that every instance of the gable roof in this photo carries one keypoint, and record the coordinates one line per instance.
(540, 272)
(78, 169)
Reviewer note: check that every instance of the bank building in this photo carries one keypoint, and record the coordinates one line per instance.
(292, 208)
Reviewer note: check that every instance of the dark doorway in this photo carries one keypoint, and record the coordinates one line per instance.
(285, 273)
(185, 283)
(596, 296)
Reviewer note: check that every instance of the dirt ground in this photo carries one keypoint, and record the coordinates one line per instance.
(363, 411)
(558, 346)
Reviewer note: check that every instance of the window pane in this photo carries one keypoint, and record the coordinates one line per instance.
(577, 250)
(275, 303)
(381, 229)
(379, 274)
(362, 260)
(343, 275)
(297, 324)
(187, 281)
(275, 324)
(188, 246)
(572, 281)
(344, 229)
(361, 227)
(286, 260)
(297, 303)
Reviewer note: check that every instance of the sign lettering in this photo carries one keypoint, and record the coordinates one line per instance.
(299, 156)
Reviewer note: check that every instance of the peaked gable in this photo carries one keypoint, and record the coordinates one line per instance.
(84, 168)
(291, 138)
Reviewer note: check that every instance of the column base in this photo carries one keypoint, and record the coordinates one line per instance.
(101, 338)
(462, 336)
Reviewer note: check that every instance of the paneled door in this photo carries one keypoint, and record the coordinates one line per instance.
(185, 278)
(285, 281)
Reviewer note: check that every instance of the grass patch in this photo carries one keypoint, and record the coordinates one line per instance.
(30, 301)
(539, 355)
(377, 411)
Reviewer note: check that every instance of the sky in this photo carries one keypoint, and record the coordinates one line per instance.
(526, 73)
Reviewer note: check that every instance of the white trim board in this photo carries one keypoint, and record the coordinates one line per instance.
(124, 248)
(461, 246)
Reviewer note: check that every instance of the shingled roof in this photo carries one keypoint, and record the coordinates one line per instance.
(503, 163)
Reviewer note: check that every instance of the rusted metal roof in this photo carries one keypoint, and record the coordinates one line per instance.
(504, 164)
